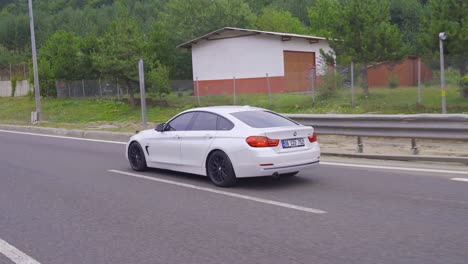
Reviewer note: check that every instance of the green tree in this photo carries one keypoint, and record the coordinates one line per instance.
(118, 53)
(360, 31)
(46, 77)
(406, 15)
(14, 32)
(451, 17)
(158, 78)
(63, 52)
(174, 27)
(296, 8)
(258, 5)
(272, 19)
(322, 15)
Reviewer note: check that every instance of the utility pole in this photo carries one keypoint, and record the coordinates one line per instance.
(141, 74)
(36, 74)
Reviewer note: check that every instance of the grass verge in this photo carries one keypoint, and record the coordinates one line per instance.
(89, 113)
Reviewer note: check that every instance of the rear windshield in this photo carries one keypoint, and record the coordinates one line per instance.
(263, 119)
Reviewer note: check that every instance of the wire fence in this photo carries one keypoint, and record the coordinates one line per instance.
(315, 83)
(19, 71)
(90, 88)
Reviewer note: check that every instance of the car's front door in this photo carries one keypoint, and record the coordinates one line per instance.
(164, 147)
(196, 141)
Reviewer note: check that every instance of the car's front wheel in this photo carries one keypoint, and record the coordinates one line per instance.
(136, 157)
(219, 169)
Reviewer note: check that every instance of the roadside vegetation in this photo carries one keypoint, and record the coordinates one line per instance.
(91, 39)
(88, 113)
(103, 39)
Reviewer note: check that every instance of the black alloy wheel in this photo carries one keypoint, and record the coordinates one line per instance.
(219, 169)
(136, 157)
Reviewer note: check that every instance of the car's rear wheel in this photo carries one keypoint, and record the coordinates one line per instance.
(219, 169)
(289, 174)
(136, 157)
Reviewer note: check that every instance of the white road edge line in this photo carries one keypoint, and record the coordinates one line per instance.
(324, 163)
(236, 195)
(393, 168)
(460, 179)
(63, 137)
(15, 254)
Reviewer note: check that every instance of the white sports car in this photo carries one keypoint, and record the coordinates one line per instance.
(226, 143)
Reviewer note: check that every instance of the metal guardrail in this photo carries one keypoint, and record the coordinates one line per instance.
(424, 126)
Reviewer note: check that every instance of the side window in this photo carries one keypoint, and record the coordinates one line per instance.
(180, 123)
(223, 124)
(204, 121)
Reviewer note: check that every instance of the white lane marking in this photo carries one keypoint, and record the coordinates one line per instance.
(460, 179)
(15, 254)
(63, 137)
(236, 195)
(393, 168)
(324, 163)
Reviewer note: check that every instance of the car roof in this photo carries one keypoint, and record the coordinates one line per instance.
(227, 109)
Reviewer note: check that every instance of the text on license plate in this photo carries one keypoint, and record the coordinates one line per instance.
(292, 143)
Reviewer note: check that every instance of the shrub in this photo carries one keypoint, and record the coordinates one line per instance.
(329, 85)
(393, 82)
(159, 80)
(464, 86)
(14, 82)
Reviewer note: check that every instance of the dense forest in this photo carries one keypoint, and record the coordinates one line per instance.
(79, 39)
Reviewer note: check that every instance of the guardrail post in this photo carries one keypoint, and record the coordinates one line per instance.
(360, 146)
(414, 147)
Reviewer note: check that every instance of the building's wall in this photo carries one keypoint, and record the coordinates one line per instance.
(217, 62)
(406, 73)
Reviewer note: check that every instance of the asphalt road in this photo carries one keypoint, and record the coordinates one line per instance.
(59, 203)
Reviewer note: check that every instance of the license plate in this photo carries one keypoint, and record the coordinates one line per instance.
(292, 143)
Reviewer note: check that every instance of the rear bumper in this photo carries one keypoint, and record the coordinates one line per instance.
(266, 162)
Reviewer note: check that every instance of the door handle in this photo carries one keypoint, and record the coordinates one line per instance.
(208, 136)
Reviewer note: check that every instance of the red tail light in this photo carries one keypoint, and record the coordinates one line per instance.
(312, 138)
(261, 142)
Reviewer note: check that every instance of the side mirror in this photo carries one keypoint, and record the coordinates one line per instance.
(160, 127)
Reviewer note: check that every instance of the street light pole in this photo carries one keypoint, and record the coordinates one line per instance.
(36, 74)
(442, 37)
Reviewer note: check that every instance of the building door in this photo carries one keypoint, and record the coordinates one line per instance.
(299, 70)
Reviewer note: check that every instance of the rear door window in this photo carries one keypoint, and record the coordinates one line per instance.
(204, 121)
(263, 119)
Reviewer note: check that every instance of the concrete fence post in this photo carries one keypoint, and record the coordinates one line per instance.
(234, 90)
(269, 88)
(313, 85)
(100, 88)
(352, 84)
(198, 91)
(419, 80)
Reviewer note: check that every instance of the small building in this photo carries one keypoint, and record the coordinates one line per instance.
(404, 73)
(253, 61)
